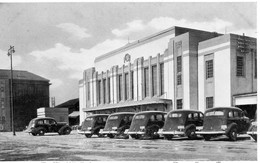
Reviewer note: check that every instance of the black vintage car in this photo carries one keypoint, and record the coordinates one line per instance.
(229, 121)
(117, 124)
(182, 123)
(252, 131)
(93, 125)
(146, 124)
(42, 125)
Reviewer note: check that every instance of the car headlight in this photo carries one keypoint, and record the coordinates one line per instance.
(199, 128)
(33, 125)
(89, 128)
(254, 123)
(181, 127)
(223, 127)
(142, 127)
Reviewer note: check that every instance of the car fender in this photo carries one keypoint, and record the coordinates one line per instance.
(40, 128)
(97, 128)
(63, 128)
(230, 126)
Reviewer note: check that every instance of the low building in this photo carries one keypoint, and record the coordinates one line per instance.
(30, 92)
(59, 114)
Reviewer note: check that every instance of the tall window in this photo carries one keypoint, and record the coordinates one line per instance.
(209, 69)
(255, 64)
(162, 78)
(154, 81)
(99, 91)
(209, 102)
(179, 104)
(240, 66)
(104, 90)
(146, 82)
(108, 89)
(120, 87)
(179, 68)
(88, 91)
(132, 83)
(126, 86)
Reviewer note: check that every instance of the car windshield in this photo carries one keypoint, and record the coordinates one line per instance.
(214, 113)
(140, 117)
(89, 119)
(113, 117)
(175, 115)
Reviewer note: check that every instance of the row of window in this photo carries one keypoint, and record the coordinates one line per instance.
(124, 89)
(209, 103)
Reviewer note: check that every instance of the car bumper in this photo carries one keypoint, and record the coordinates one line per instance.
(84, 132)
(210, 132)
(172, 133)
(251, 132)
(108, 132)
(135, 133)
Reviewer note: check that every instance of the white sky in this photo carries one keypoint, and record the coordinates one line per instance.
(59, 40)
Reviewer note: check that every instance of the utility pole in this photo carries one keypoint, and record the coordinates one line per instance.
(10, 53)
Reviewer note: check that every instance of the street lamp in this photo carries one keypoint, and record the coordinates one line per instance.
(10, 53)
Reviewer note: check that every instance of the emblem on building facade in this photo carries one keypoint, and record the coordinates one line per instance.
(127, 58)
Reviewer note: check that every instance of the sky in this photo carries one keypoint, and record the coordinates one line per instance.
(58, 41)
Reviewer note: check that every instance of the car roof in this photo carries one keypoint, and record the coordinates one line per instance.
(223, 108)
(150, 112)
(122, 113)
(97, 115)
(185, 110)
(37, 118)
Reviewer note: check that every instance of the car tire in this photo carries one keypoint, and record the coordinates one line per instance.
(41, 132)
(135, 136)
(34, 134)
(110, 135)
(207, 137)
(88, 135)
(253, 128)
(67, 131)
(191, 133)
(151, 133)
(232, 134)
(168, 137)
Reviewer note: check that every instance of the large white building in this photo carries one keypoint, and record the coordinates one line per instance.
(178, 68)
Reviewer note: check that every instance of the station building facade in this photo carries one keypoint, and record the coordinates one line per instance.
(167, 71)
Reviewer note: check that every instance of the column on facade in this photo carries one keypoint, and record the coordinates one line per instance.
(135, 69)
(101, 87)
(123, 83)
(158, 75)
(130, 81)
(95, 97)
(150, 83)
(140, 78)
(111, 85)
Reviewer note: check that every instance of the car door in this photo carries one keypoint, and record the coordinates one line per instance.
(54, 127)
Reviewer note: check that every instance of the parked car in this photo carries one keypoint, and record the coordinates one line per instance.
(182, 123)
(93, 124)
(228, 121)
(146, 124)
(117, 123)
(42, 125)
(252, 131)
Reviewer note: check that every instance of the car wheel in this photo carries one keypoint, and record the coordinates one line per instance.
(110, 135)
(151, 133)
(207, 137)
(254, 137)
(88, 135)
(191, 133)
(233, 134)
(168, 137)
(41, 132)
(67, 131)
(135, 136)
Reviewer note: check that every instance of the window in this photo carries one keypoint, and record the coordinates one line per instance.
(104, 90)
(126, 86)
(159, 117)
(146, 82)
(255, 65)
(230, 114)
(209, 102)
(154, 81)
(179, 104)
(120, 84)
(196, 116)
(108, 89)
(240, 66)
(209, 69)
(162, 78)
(236, 114)
(179, 68)
(140, 117)
(99, 91)
(214, 113)
(113, 117)
(201, 116)
(132, 83)
(88, 90)
(175, 115)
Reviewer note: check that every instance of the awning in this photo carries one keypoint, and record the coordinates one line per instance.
(129, 104)
(245, 99)
(74, 114)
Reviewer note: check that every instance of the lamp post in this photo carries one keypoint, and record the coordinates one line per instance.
(10, 53)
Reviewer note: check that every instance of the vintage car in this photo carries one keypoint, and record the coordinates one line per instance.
(93, 125)
(252, 131)
(182, 123)
(117, 123)
(42, 125)
(146, 124)
(229, 121)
